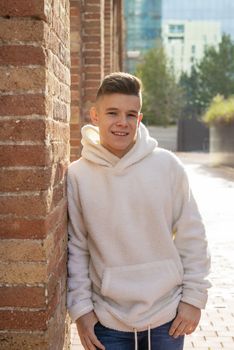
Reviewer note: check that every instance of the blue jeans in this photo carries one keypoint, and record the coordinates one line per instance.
(118, 340)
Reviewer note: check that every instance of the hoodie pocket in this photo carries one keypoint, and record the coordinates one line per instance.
(134, 289)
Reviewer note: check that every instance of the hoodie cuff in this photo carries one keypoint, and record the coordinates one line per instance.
(76, 311)
(195, 298)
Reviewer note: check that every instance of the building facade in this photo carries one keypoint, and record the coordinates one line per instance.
(142, 29)
(186, 41)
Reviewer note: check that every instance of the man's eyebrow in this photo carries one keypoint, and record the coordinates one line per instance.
(116, 109)
(133, 111)
(111, 109)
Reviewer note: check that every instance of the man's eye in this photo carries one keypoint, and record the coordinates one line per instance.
(111, 113)
(132, 116)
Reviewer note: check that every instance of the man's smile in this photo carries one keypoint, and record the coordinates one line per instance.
(120, 133)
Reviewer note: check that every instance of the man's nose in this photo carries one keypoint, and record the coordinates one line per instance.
(122, 120)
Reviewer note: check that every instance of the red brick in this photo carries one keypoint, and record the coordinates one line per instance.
(15, 30)
(94, 24)
(93, 76)
(74, 3)
(75, 127)
(22, 79)
(93, 69)
(74, 12)
(57, 195)
(23, 273)
(60, 233)
(56, 216)
(18, 55)
(74, 103)
(22, 296)
(92, 53)
(92, 84)
(90, 91)
(93, 61)
(22, 130)
(91, 2)
(54, 302)
(56, 275)
(57, 322)
(75, 62)
(23, 320)
(75, 55)
(60, 243)
(21, 155)
(75, 72)
(74, 25)
(24, 205)
(75, 142)
(31, 205)
(13, 227)
(91, 30)
(60, 111)
(12, 340)
(74, 86)
(74, 155)
(32, 179)
(75, 95)
(89, 8)
(21, 105)
(91, 45)
(92, 16)
(22, 8)
(75, 78)
(92, 39)
(61, 72)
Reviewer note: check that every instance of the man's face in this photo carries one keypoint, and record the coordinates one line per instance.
(118, 117)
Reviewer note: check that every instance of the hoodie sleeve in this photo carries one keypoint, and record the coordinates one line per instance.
(79, 300)
(191, 243)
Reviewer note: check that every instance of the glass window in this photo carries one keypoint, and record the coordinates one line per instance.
(176, 28)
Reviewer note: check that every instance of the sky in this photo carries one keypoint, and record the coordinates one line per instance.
(220, 10)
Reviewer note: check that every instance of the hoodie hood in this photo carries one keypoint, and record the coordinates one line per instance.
(96, 153)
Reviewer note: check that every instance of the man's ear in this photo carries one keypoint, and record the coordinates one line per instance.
(140, 118)
(93, 115)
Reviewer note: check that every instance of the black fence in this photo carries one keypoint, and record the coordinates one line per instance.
(192, 135)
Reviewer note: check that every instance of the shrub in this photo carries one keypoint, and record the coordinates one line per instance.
(221, 110)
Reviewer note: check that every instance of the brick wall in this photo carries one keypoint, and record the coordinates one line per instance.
(34, 148)
(96, 50)
(35, 54)
(108, 37)
(76, 10)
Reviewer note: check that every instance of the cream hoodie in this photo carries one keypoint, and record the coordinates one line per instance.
(137, 244)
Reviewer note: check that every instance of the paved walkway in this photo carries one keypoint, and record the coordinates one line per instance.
(214, 191)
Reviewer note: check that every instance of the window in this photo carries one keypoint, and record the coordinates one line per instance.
(176, 28)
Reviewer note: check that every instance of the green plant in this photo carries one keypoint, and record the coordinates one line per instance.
(213, 75)
(221, 110)
(162, 96)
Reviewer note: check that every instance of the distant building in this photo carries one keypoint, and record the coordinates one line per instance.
(186, 41)
(142, 29)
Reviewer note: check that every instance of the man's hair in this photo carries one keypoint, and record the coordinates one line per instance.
(120, 83)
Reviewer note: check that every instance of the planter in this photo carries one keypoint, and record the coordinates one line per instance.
(222, 144)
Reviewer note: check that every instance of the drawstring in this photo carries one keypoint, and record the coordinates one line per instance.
(149, 339)
(136, 343)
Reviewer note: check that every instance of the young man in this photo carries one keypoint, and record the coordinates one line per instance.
(138, 260)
